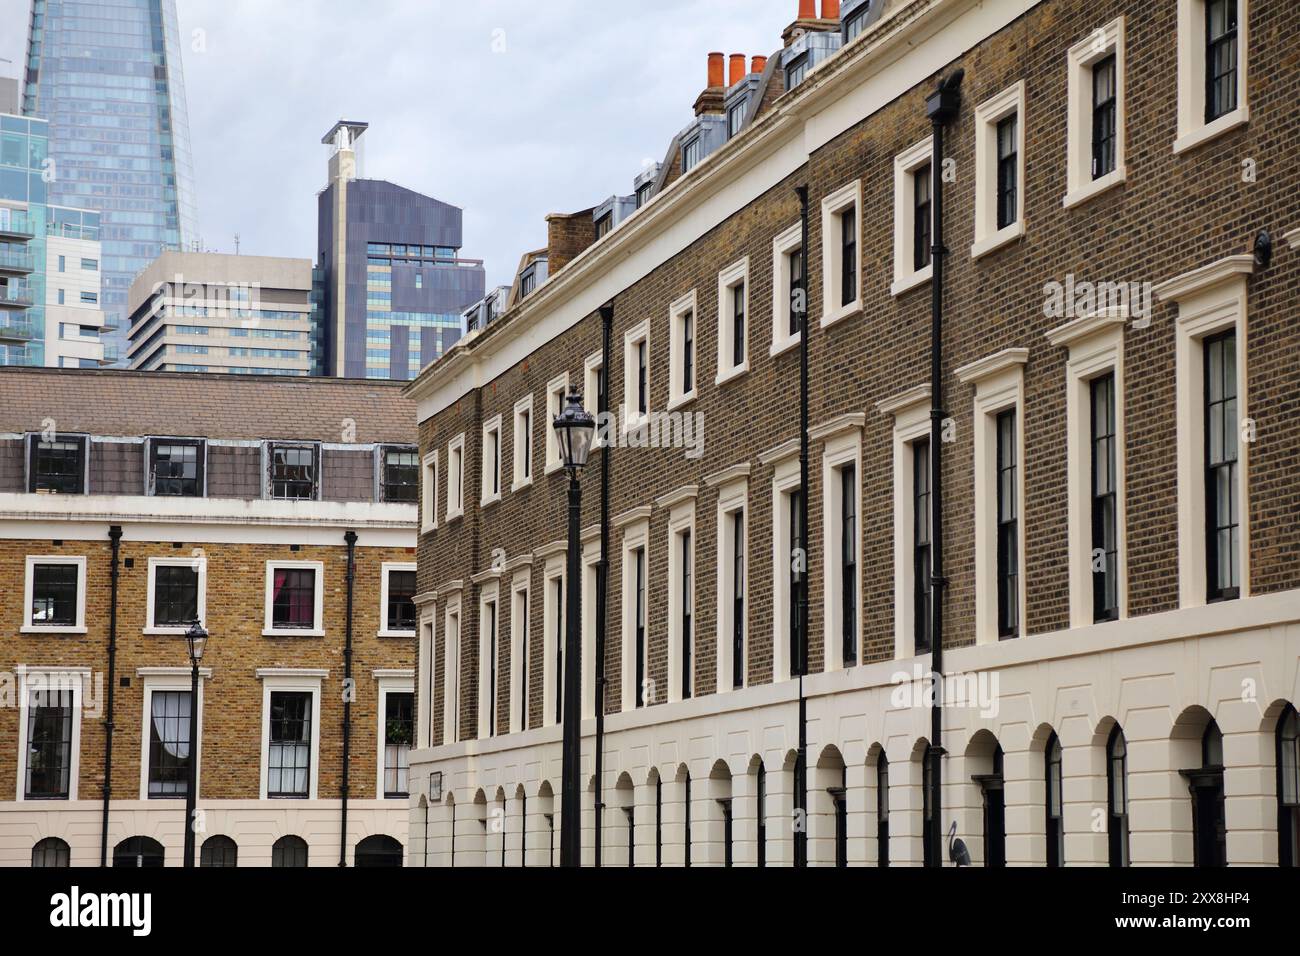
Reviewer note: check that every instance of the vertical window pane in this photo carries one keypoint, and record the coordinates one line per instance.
(169, 743)
(398, 713)
(848, 257)
(1221, 477)
(54, 595)
(1104, 116)
(1105, 549)
(1008, 542)
(49, 744)
(401, 604)
(849, 563)
(921, 566)
(288, 762)
(1007, 172)
(921, 218)
(293, 598)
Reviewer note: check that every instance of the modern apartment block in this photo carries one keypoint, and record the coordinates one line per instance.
(208, 312)
(395, 284)
(280, 513)
(50, 259)
(107, 75)
(1118, 454)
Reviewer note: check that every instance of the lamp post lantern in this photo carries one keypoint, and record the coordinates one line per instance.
(574, 429)
(196, 639)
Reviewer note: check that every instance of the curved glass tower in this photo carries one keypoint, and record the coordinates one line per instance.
(107, 76)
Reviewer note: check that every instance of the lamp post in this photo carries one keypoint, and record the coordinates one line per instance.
(196, 639)
(574, 429)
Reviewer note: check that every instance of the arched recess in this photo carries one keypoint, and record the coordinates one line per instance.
(877, 806)
(718, 836)
(546, 844)
(620, 843)
(828, 815)
(983, 792)
(1196, 745)
(760, 808)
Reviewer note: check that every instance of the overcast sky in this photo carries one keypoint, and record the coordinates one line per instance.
(509, 109)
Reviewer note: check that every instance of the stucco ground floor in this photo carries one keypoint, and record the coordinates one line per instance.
(253, 825)
(1160, 678)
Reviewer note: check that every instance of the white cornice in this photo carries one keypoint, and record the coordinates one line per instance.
(984, 368)
(676, 497)
(787, 449)
(840, 423)
(1087, 326)
(633, 515)
(482, 577)
(312, 673)
(140, 509)
(204, 672)
(425, 599)
(550, 549)
(1190, 283)
(521, 561)
(397, 673)
(728, 475)
(904, 400)
(589, 532)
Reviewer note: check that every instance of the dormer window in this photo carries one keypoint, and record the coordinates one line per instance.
(690, 155)
(176, 467)
(293, 471)
(736, 118)
(645, 193)
(795, 71)
(604, 225)
(57, 465)
(855, 21)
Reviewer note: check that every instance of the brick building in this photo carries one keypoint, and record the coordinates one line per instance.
(233, 501)
(1119, 465)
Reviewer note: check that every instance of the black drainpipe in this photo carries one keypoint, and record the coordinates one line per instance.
(801, 665)
(115, 542)
(941, 106)
(602, 570)
(351, 539)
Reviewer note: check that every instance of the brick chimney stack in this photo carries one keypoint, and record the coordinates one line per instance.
(714, 96)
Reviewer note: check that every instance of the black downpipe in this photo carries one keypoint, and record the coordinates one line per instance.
(602, 571)
(801, 665)
(351, 539)
(941, 107)
(115, 542)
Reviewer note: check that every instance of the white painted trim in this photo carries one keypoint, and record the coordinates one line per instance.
(590, 559)
(50, 678)
(391, 683)
(844, 449)
(318, 628)
(784, 244)
(28, 587)
(681, 521)
(906, 164)
(557, 390)
(591, 369)
(489, 647)
(785, 479)
(1099, 44)
(429, 493)
(844, 199)
(456, 477)
(165, 682)
(733, 498)
(452, 634)
(636, 536)
(988, 114)
(275, 680)
(385, 569)
(199, 562)
(520, 669)
(734, 275)
(492, 467)
(1192, 128)
(632, 339)
(911, 413)
(553, 637)
(520, 445)
(677, 311)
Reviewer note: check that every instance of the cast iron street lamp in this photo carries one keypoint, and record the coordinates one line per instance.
(574, 429)
(196, 638)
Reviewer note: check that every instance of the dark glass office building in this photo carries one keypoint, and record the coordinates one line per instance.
(393, 283)
(107, 76)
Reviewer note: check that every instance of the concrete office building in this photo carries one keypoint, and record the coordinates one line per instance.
(210, 312)
(394, 283)
(107, 75)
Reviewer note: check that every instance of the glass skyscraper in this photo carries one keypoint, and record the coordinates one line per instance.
(107, 76)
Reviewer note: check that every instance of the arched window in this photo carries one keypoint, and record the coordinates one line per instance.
(882, 810)
(1117, 797)
(1209, 832)
(219, 851)
(1055, 821)
(761, 813)
(376, 850)
(995, 813)
(840, 804)
(1288, 788)
(929, 855)
(659, 820)
(138, 851)
(51, 852)
(289, 852)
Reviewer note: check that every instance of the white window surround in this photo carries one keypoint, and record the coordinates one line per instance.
(590, 560)
(681, 520)
(785, 480)
(1100, 43)
(489, 593)
(686, 305)
(170, 679)
(636, 536)
(557, 389)
(591, 369)
(522, 444)
(733, 498)
(30, 580)
(521, 613)
(200, 564)
(988, 114)
(385, 569)
(632, 418)
(290, 680)
(318, 619)
(728, 279)
(842, 446)
(1192, 128)
(456, 477)
(1096, 345)
(783, 246)
(429, 494)
(389, 682)
(1210, 300)
(999, 385)
(451, 635)
(554, 623)
(911, 413)
(426, 675)
(31, 679)
(845, 199)
(492, 461)
(906, 165)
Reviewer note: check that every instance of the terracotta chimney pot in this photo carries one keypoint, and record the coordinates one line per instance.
(715, 69)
